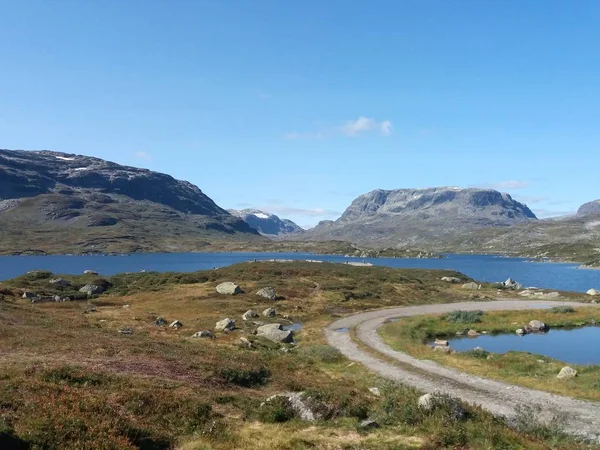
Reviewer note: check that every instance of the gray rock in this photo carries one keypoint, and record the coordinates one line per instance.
(512, 284)
(471, 286)
(250, 314)
(566, 372)
(160, 321)
(441, 342)
(89, 272)
(126, 331)
(203, 334)
(472, 333)
(426, 402)
(269, 312)
(442, 348)
(521, 331)
(60, 282)
(229, 288)
(245, 342)
(537, 325)
(368, 424)
(225, 325)
(375, 391)
(28, 294)
(92, 289)
(176, 324)
(593, 292)
(297, 404)
(451, 279)
(429, 402)
(267, 292)
(274, 332)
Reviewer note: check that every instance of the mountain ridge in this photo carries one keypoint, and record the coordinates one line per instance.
(267, 224)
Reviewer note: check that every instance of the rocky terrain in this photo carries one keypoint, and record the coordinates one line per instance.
(267, 224)
(421, 217)
(57, 202)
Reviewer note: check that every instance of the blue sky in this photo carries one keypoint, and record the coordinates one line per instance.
(299, 107)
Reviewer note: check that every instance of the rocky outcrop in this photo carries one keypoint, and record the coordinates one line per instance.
(225, 325)
(92, 289)
(265, 223)
(267, 292)
(566, 372)
(593, 292)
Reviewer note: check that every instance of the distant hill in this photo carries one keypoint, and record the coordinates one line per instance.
(267, 224)
(416, 217)
(58, 202)
(589, 209)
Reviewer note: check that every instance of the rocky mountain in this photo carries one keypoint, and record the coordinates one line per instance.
(57, 202)
(589, 209)
(266, 224)
(417, 217)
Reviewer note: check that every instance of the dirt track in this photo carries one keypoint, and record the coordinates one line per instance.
(582, 417)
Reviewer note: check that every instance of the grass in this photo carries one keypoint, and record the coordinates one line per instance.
(535, 371)
(71, 380)
(464, 316)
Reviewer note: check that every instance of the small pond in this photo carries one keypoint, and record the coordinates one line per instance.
(574, 346)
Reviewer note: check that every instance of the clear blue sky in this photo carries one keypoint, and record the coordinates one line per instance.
(298, 107)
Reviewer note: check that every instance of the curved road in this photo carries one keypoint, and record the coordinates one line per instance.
(581, 417)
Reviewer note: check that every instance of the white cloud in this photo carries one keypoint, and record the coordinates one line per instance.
(144, 156)
(351, 128)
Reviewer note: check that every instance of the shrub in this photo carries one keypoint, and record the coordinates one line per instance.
(245, 377)
(74, 376)
(562, 310)
(478, 353)
(464, 316)
(330, 404)
(277, 410)
(320, 353)
(399, 405)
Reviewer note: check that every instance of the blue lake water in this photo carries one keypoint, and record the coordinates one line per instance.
(479, 267)
(574, 346)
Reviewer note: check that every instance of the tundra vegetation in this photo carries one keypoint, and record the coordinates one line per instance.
(410, 335)
(101, 372)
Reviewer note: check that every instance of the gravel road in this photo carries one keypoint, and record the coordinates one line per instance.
(581, 417)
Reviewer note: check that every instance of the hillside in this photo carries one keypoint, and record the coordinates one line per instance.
(56, 202)
(421, 217)
(267, 224)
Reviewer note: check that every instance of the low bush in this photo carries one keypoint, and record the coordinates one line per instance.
(464, 316)
(333, 403)
(74, 376)
(562, 310)
(245, 377)
(277, 410)
(320, 353)
(478, 353)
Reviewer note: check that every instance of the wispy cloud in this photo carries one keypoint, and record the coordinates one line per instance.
(510, 184)
(351, 128)
(144, 156)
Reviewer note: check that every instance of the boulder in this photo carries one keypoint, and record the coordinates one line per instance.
(60, 282)
(267, 292)
(269, 312)
(512, 284)
(250, 314)
(274, 332)
(441, 342)
(471, 286)
(89, 272)
(176, 324)
(28, 294)
(160, 321)
(442, 348)
(566, 372)
(426, 402)
(368, 424)
(225, 325)
(521, 331)
(472, 333)
(593, 292)
(229, 288)
(537, 325)
(451, 279)
(375, 391)
(203, 334)
(92, 289)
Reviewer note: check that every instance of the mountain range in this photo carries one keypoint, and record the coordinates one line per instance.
(54, 202)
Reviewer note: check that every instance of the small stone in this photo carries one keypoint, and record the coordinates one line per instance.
(369, 424)
(269, 312)
(451, 279)
(471, 286)
(28, 294)
(225, 325)
(426, 402)
(267, 292)
(90, 272)
(443, 349)
(203, 334)
(160, 321)
(92, 289)
(521, 332)
(245, 342)
(566, 372)
(60, 282)
(275, 333)
(441, 342)
(250, 314)
(375, 391)
(126, 331)
(537, 325)
(472, 333)
(125, 306)
(176, 324)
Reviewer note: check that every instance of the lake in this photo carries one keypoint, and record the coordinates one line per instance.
(574, 346)
(480, 267)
